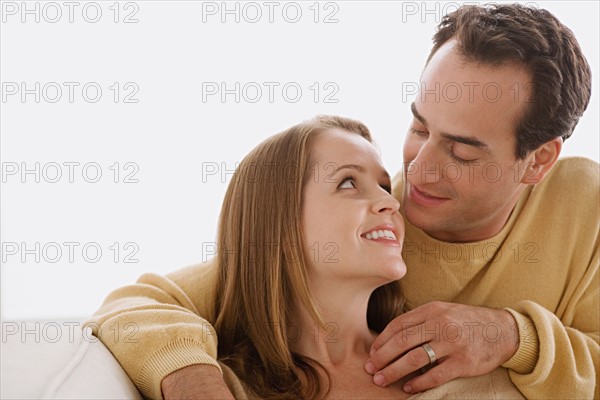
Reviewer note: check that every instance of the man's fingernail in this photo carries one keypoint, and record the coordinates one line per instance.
(378, 379)
(407, 388)
(370, 368)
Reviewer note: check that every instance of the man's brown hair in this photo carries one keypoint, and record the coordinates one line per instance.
(512, 33)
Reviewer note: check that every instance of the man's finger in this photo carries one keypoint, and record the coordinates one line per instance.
(412, 361)
(443, 372)
(406, 322)
(395, 347)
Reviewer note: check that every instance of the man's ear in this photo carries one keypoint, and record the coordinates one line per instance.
(544, 158)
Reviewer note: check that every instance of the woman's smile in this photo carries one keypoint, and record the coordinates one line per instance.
(384, 234)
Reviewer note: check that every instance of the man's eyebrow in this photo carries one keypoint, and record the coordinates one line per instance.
(468, 140)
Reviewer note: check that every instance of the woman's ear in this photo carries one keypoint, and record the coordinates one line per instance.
(544, 158)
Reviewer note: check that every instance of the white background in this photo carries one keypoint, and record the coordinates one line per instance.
(170, 134)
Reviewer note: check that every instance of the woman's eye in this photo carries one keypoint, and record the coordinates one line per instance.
(419, 132)
(347, 183)
(387, 188)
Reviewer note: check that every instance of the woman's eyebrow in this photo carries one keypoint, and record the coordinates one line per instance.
(356, 167)
(384, 174)
(415, 113)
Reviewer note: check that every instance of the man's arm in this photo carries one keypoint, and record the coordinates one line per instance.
(154, 327)
(465, 341)
(567, 361)
(195, 382)
(555, 357)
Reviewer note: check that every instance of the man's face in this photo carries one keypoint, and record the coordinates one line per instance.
(460, 148)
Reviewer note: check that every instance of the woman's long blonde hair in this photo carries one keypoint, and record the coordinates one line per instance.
(262, 262)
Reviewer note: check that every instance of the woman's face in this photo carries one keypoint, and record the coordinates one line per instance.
(351, 223)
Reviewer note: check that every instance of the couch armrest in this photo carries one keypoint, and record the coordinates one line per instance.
(59, 360)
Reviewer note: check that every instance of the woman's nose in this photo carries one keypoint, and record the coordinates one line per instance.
(386, 203)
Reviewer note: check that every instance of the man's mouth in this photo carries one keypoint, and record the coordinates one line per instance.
(424, 198)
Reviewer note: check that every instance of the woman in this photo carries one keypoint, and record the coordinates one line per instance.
(308, 232)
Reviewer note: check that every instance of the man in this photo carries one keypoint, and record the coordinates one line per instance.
(502, 239)
(478, 232)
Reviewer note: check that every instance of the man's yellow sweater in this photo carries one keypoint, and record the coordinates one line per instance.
(543, 266)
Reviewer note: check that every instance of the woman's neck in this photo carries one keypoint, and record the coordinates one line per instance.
(345, 336)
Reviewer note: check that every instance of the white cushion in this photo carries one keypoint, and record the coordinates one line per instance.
(57, 360)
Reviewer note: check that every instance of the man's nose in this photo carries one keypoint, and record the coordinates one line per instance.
(426, 165)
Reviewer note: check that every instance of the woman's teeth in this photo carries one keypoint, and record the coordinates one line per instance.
(381, 234)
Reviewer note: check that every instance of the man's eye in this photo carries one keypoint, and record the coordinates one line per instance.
(347, 183)
(458, 159)
(461, 161)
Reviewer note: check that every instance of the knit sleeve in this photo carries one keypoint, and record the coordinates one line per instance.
(159, 325)
(560, 357)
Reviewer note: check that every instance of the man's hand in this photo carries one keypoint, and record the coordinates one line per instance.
(466, 340)
(195, 382)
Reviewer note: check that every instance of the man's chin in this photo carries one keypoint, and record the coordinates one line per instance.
(423, 219)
